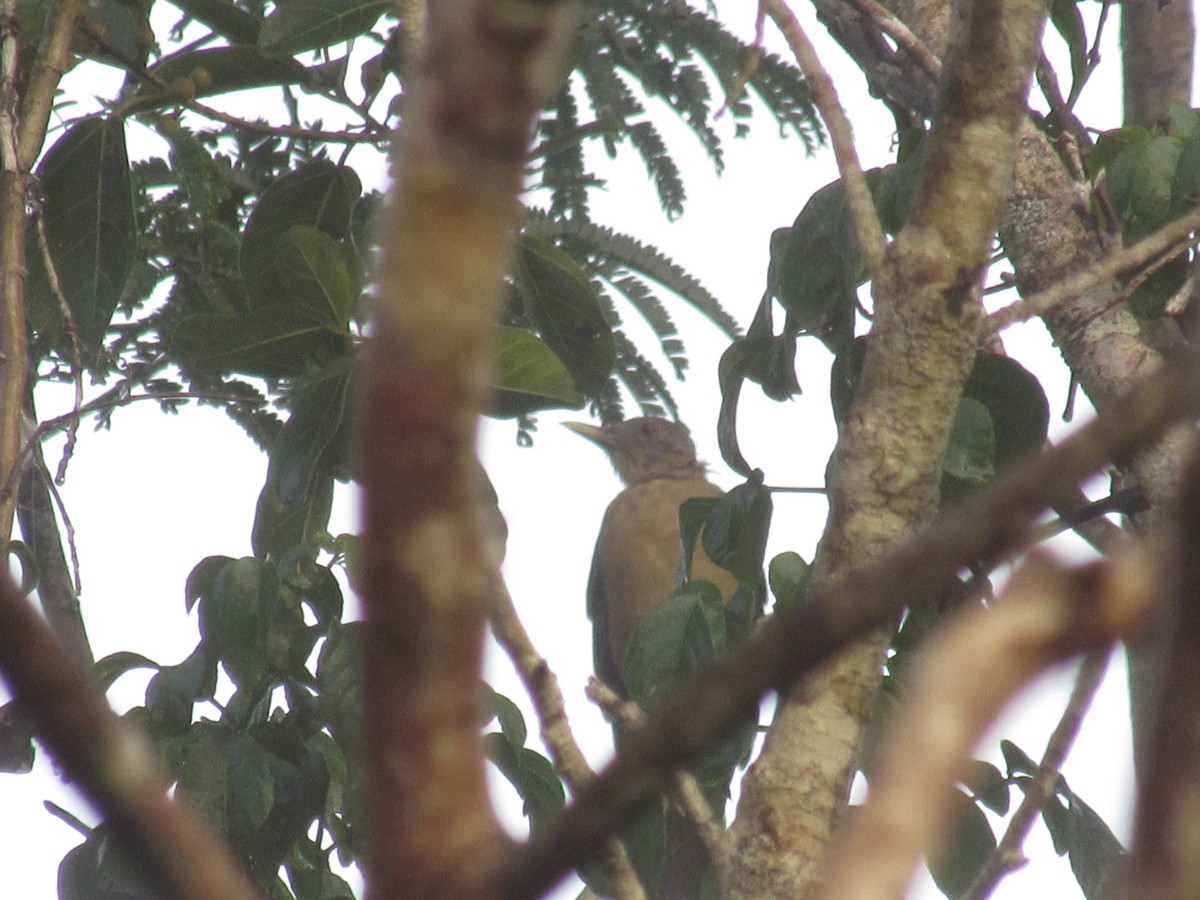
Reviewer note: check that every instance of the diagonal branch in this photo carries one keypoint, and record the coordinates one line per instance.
(110, 760)
(920, 570)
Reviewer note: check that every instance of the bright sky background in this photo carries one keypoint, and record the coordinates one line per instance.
(155, 495)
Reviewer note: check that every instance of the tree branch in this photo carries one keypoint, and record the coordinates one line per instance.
(427, 573)
(542, 688)
(1008, 856)
(111, 761)
(791, 646)
(966, 675)
(867, 229)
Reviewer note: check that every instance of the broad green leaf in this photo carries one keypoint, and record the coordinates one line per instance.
(737, 362)
(988, 785)
(735, 537)
(564, 309)
(1016, 760)
(531, 775)
(173, 691)
(107, 670)
(280, 340)
(102, 867)
(234, 616)
(955, 866)
(203, 578)
(1097, 857)
(527, 376)
(320, 195)
(816, 267)
(212, 72)
(693, 516)
(125, 27)
(225, 18)
(1068, 22)
(512, 723)
(1016, 402)
(672, 639)
(1140, 180)
(87, 208)
(315, 276)
(279, 526)
(970, 455)
(788, 576)
(294, 26)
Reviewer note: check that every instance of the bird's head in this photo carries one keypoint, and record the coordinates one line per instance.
(645, 448)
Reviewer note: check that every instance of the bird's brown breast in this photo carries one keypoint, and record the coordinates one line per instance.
(637, 557)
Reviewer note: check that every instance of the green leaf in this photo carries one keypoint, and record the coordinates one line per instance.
(512, 723)
(1016, 403)
(202, 579)
(307, 455)
(693, 516)
(816, 267)
(91, 228)
(313, 270)
(788, 576)
(125, 26)
(735, 537)
(1017, 761)
(225, 18)
(107, 670)
(531, 775)
(319, 195)
(1068, 22)
(737, 362)
(215, 71)
(988, 785)
(674, 639)
(970, 455)
(294, 26)
(233, 618)
(565, 311)
(282, 340)
(1140, 181)
(1097, 857)
(527, 376)
(971, 843)
(172, 692)
(102, 867)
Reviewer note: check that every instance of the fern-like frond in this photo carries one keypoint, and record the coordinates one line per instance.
(663, 171)
(593, 242)
(642, 297)
(563, 170)
(649, 390)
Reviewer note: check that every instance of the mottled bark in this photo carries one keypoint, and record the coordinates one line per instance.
(1157, 42)
(883, 482)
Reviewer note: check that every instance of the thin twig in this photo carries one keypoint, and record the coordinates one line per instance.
(72, 330)
(49, 426)
(1008, 855)
(902, 35)
(688, 794)
(858, 196)
(542, 687)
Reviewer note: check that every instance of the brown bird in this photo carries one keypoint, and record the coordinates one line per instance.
(633, 571)
(638, 549)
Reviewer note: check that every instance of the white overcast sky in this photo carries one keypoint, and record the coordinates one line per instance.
(156, 494)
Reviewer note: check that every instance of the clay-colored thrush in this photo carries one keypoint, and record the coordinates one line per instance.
(633, 571)
(638, 549)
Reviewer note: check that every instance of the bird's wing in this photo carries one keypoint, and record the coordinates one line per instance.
(597, 609)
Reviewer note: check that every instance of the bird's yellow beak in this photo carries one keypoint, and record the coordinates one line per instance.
(593, 433)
